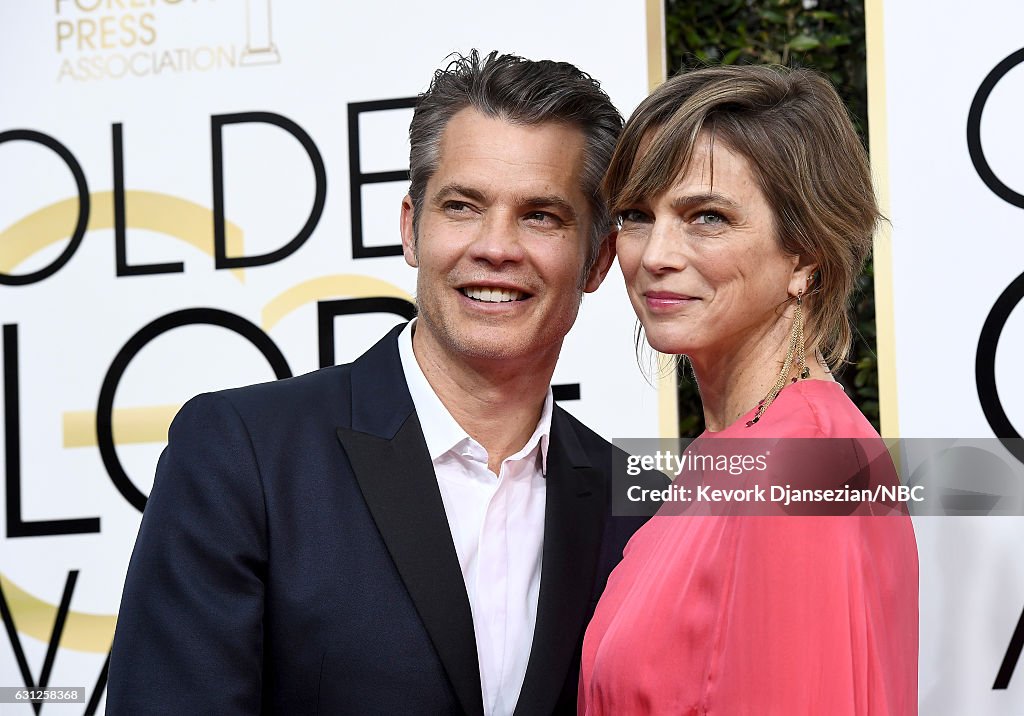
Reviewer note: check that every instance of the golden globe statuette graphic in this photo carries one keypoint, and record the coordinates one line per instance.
(259, 44)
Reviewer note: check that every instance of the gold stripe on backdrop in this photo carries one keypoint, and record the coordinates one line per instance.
(878, 131)
(668, 403)
(34, 617)
(154, 211)
(655, 43)
(349, 285)
(130, 425)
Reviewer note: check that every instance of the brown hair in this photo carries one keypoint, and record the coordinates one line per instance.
(806, 157)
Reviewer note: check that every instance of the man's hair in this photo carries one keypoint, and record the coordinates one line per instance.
(519, 91)
(804, 153)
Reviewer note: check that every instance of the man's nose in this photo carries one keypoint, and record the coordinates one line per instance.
(499, 239)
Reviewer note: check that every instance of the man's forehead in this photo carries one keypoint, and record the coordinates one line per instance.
(480, 153)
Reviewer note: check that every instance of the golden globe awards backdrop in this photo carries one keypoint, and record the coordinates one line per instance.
(198, 194)
(946, 94)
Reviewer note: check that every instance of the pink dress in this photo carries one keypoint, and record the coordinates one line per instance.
(762, 615)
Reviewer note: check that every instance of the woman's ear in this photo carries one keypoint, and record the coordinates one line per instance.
(805, 277)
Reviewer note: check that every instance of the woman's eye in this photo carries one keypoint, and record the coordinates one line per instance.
(631, 216)
(709, 217)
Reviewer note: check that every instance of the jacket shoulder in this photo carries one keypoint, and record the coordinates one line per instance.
(315, 385)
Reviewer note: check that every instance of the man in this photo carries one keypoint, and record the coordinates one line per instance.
(421, 531)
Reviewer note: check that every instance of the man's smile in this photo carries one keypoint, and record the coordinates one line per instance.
(491, 294)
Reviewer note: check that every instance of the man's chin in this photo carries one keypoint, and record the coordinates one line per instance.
(495, 344)
(490, 349)
(472, 341)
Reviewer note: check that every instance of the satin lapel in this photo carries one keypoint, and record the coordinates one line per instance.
(392, 466)
(397, 480)
(577, 495)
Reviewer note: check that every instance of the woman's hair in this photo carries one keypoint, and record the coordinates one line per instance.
(806, 156)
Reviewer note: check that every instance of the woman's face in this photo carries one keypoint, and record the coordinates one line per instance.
(703, 267)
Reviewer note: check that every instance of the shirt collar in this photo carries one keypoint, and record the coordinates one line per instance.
(440, 430)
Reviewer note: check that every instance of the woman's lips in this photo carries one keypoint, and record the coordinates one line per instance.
(667, 300)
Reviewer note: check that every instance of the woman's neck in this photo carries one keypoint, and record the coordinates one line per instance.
(733, 380)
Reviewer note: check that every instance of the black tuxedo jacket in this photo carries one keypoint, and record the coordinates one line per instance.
(294, 557)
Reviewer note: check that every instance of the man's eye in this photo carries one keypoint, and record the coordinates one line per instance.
(631, 216)
(709, 217)
(541, 217)
(456, 206)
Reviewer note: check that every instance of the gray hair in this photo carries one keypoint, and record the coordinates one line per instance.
(522, 92)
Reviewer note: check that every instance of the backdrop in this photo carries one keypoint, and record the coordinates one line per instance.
(199, 194)
(196, 194)
(945, 95)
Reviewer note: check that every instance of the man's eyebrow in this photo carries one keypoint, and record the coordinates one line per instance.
(689, 200)
(534, 202)
(553, 201)
(449, 190)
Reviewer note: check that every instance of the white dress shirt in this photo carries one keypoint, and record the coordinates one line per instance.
(497, 524)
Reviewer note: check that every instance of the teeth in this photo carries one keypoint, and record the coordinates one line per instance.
(493, 295)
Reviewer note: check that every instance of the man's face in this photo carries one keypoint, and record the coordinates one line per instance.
(502, 241)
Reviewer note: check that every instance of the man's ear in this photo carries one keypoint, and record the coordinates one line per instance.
(605, 256)
(408, 235)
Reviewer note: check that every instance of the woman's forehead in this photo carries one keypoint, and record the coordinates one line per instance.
(711, 165)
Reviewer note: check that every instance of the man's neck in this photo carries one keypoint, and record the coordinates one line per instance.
(498, 402)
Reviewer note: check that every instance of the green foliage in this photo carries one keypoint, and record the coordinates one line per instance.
(826, 35)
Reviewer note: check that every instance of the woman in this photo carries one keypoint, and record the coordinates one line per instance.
(746, 212)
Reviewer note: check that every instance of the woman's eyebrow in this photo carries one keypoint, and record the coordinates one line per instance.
(689, 200)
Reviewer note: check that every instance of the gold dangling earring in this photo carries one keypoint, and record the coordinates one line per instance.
(794, 354)
(801, 350)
